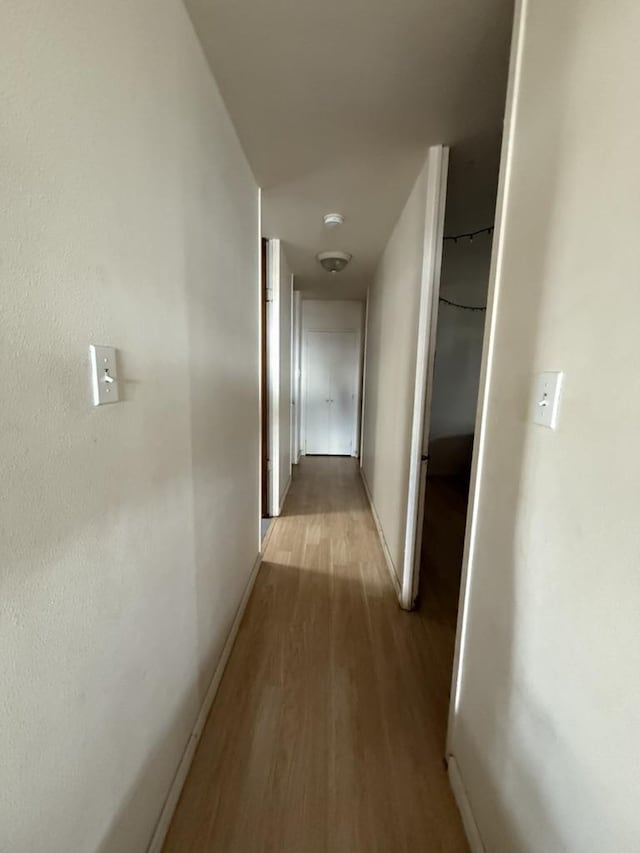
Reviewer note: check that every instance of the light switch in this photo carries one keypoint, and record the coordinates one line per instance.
(546, 399)
(104, 375)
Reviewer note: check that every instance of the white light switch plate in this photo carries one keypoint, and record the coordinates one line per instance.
(104, 375)
(546, 399)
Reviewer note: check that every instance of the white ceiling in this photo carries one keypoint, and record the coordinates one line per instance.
(335, 103)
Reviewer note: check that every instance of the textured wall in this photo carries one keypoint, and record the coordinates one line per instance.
(547, 730)
(128, 217)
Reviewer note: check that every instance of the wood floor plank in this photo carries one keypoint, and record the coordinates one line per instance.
(327, 733)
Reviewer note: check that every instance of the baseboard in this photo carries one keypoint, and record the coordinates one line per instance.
(164, 821)
(468, 820)
(268, 535)
(284, 496)
(383, 541)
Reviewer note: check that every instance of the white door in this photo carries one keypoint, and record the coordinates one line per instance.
(425, 356)
(331, 360)
(318, 393)
(342, 409)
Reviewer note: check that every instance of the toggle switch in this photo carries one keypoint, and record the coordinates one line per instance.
(546, 399)
(104, 375)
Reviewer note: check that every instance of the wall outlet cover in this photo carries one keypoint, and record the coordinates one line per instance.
(104, 375)
(545, 401)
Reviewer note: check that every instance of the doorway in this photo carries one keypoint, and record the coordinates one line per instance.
(277, 308)
(331, 394)
(461, 314)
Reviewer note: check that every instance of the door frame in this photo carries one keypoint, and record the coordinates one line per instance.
(357, 380)
(425, 358)
(279, 288)
(296, 372)
(476, 482)
(363, 378)
(273, 375)
(264, 382)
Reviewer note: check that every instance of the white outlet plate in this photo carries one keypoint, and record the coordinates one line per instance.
(546, 399)
(104, 375)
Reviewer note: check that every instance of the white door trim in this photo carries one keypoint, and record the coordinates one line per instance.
(296, 401)
(482, 411)
(363, 378)
(357, 368)
(357, 421)
(438, 160)
(273, 373)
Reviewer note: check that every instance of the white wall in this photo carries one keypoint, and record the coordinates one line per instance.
(279, 372)
(464, 279)
(547, 725)
(129, 217)
(333, 315)
(392, 327)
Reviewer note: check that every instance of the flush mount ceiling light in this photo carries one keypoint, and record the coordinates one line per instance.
(332, 220)
(333, 261)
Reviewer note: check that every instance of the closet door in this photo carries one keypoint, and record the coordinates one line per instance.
(318, 392)
(342, 418)
(331, 364)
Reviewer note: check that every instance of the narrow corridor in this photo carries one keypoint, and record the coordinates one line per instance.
(328, 731)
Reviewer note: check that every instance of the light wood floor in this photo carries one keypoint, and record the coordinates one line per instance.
(328, 730)
(441, 565)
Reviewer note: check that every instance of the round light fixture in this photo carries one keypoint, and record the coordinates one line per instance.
(332, 220)
(333, 261)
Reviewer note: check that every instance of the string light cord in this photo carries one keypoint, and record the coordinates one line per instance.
(464, 307)
(469, 235)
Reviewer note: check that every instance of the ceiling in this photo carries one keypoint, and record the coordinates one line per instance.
(335, 103)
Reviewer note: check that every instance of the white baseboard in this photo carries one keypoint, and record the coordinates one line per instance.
(385, 550)
(267, 536)
(468, 820)
(164, 821)
(284, 496)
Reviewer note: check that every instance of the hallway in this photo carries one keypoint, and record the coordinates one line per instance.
(328, 730)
